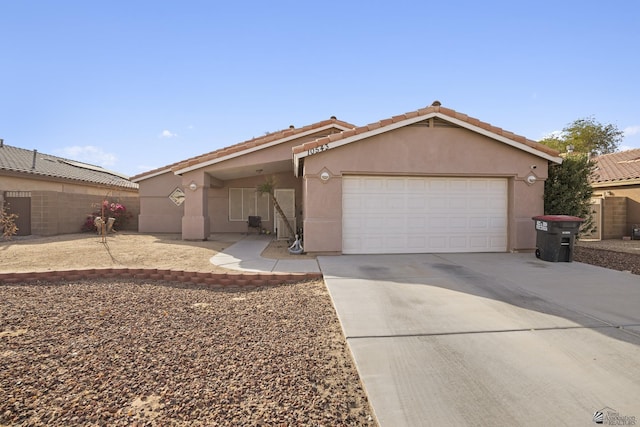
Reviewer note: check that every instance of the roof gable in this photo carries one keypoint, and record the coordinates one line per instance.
(245, 147)
(32, 162)
(436, 112)
(621, 167)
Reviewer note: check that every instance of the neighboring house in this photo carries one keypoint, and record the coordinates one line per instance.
(616, 194)
(432, 180)
(52, 195)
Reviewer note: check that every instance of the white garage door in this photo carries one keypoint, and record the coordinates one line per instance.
(422, 215)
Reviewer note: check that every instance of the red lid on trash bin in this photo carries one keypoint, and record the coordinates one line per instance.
(558, 218)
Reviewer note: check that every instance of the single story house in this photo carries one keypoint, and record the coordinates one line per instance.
(432, 180)
(616, 194)
(52, 195)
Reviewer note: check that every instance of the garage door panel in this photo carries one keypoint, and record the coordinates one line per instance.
(394, 202)
(478, 203)
(416, 202)
(416, 241)
(418, 215)
(478, 242)
(478, 223)
(437, 202)
(458, 186)
(416, 185)
(457, 203)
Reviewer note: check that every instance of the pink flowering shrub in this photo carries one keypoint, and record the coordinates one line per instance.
(111, 210)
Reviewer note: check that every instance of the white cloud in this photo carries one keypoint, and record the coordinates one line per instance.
(88, 154)
(631, 130)
(553, 134)
(167, 134)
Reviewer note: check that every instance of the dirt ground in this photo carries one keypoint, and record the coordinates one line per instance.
(137, 250)
(122, 249)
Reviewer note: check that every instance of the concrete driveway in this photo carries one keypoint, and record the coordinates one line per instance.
(490, 339)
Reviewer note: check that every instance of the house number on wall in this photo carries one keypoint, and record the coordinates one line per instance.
(316, 150)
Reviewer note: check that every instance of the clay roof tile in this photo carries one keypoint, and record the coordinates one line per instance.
(620, 166)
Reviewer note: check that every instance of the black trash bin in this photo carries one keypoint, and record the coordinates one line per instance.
(555, 236)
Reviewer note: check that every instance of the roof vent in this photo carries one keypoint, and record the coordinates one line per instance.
(436, 103)
(1, 142)
(292, 127)
(35, 154)
(333, 118)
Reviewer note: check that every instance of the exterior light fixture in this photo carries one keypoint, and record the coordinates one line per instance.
(193, 186)
(531, 179)
(324, 176)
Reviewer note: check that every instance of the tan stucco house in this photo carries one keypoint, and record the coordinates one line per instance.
(616, 194)
(53, 195)
(432, 180)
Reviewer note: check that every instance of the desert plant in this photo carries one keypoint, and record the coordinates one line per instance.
(8, 223)
(107, 209)
(567, 190)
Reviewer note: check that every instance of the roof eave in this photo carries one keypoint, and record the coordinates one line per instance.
(257, 148)
(149, 176)
(420, 118)
(43, 177)
(616, 183)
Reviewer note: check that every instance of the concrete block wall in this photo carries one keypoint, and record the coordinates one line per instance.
(614, 218)
(44, 213)
(55, 212)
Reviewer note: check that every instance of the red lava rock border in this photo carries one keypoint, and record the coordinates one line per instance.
(212, 280)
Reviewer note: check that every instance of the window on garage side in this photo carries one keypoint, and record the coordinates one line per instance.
(245, 202)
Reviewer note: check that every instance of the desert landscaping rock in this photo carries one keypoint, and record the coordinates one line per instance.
(146, 352)
(139, 353)
(621, 255)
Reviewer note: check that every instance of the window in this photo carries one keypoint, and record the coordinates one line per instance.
(245, 202)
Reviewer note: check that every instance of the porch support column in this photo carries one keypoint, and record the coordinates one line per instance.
(195, 221)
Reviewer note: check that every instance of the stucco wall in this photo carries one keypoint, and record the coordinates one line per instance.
(420, 151)
(158, 214)
(194, 218)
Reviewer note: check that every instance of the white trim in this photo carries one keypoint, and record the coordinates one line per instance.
(417, 119)
(142, 178)
(259, 147)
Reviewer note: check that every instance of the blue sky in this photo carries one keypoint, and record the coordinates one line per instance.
(135, 85)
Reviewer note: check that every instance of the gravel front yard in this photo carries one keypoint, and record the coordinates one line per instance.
(103, 353)
(149, 353)
(622, 255)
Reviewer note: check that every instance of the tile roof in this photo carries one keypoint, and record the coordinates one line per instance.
(20, 160)
(434, 108)
(620, 166)
(236, 148)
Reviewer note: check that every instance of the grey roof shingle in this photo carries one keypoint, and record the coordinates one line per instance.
(16, 159)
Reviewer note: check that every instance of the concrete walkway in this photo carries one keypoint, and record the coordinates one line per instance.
(244, 255)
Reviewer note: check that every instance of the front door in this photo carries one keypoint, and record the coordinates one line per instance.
(286, 198)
